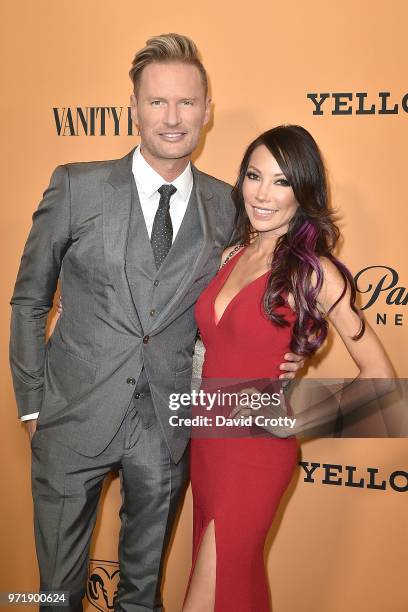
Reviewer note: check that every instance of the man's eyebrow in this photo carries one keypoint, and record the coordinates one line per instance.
(181, 98)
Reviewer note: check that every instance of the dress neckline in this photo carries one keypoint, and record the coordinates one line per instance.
(217, 321)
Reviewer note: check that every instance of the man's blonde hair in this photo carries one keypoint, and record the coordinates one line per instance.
(167, 48)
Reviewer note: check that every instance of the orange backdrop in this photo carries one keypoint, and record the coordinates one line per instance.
(338, 548)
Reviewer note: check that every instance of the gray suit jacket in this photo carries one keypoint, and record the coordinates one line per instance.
(120, 313)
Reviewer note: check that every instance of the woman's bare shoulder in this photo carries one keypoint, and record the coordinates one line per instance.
(334, 285)
(332, 277)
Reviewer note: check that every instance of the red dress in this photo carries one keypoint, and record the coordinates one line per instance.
(239, 481)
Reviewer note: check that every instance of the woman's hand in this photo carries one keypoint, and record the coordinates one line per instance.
(292, 364)
(59, 305)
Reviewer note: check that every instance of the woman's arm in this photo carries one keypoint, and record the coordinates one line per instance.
(376, 374)
(367, 352)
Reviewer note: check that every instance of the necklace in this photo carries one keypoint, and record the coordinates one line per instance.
(231, 254)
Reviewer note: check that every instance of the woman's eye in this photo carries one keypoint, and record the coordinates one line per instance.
(283, 182)
(251, 175)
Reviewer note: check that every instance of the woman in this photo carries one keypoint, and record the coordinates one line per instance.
(272, 295)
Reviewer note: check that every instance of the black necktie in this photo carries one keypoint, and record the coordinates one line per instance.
(162, 231)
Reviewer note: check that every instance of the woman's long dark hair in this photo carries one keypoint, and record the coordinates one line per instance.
(311, 234)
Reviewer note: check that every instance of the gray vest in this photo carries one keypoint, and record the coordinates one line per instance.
(150, 288)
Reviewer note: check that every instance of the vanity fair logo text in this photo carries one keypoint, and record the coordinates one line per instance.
(93, 121)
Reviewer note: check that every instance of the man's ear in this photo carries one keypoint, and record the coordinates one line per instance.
(133, 109)
(207, 113)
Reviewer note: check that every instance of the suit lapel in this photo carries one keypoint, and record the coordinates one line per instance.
(116, 217)
(140, 267)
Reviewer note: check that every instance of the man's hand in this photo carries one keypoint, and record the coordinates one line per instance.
(292, 364)
(30, 427)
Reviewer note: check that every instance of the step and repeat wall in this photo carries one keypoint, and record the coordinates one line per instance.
(336, 69)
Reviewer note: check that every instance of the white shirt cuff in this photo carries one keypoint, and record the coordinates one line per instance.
(29, 417)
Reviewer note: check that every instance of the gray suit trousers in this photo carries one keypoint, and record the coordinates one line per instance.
(66, 488)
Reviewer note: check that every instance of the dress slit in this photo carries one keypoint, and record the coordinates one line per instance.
(197, 547)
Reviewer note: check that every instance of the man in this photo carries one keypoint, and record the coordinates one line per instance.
(133, 241)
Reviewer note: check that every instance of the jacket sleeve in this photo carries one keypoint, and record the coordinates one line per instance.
(37, 279)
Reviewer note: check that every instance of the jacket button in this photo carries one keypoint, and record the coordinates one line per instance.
(137, 395)
(131, 381)
(156, 283)
(146, 339)
(152, 312)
